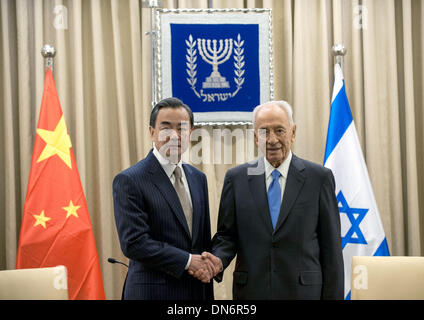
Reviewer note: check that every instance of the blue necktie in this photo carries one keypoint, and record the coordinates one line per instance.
(274, 197)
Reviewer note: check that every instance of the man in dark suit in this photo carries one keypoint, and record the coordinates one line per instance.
(162, 214)
(279, 214)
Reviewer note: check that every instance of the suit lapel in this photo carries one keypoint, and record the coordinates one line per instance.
(195, 191)
(162, 182)
(294, 183)
(258, 190)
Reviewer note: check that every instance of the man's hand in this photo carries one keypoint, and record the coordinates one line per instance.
(201, 268)
(213, 267)
(217, 263)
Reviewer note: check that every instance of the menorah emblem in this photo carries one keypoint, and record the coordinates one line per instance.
(215, 56)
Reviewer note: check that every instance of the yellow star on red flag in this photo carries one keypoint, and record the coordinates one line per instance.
(41, 219)
(71, 210)
(57, 142)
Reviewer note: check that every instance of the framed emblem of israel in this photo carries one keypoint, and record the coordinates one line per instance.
(217, 61)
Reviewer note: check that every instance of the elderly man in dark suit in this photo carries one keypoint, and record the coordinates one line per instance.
(279, 214)
(162, 214)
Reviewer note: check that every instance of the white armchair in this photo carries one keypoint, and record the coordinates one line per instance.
(387, 278)
(34, 284)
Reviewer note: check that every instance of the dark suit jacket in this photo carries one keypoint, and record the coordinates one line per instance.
(301, 258)
(154, 235)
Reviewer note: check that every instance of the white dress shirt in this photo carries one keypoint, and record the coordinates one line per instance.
(169, 168)
(284, 170)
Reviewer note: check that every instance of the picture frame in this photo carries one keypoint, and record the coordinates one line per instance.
(217, 61)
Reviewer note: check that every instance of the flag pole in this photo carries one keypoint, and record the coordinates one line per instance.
(153, 5)
(48, 52)
(339, 51)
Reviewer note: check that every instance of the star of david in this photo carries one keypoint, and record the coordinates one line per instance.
(355, 215)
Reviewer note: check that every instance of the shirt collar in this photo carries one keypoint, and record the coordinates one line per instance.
(283, 168)
(167, 166)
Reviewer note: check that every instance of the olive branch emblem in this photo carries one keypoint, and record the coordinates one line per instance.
(238, 63)
(191, 58)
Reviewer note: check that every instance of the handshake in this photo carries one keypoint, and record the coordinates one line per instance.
(204, 267)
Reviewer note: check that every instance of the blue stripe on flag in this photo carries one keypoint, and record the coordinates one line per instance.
(383, 249)
(340, 119)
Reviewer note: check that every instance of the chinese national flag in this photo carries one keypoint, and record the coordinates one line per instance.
(56, 227)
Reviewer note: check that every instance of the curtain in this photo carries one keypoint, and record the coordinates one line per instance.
(103, 77)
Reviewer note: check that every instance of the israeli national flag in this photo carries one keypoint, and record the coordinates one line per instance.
(361, 229)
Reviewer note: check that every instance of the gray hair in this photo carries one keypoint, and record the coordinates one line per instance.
(282, 104)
